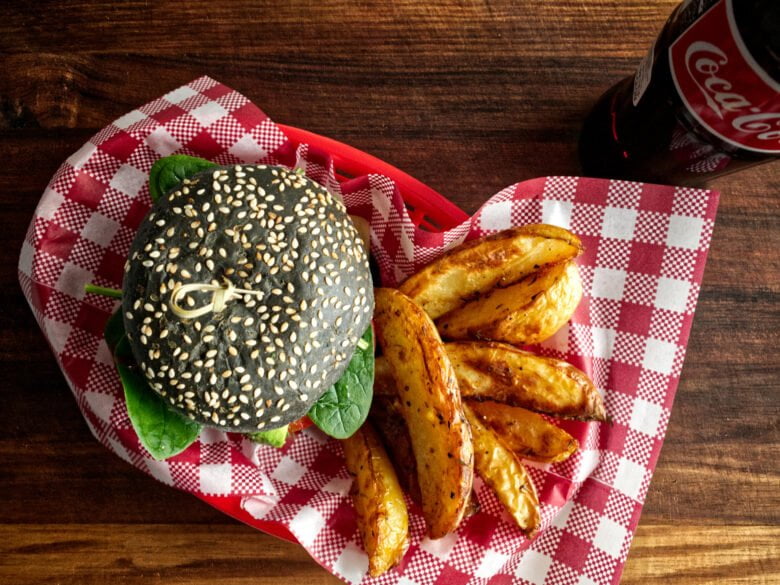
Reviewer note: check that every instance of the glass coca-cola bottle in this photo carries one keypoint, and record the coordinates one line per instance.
(704, 102)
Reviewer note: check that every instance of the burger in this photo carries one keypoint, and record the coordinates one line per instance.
(247, 295)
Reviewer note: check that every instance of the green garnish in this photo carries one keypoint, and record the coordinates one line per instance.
(160, 429)
(274, 437)
(114, 330)
(344, 407)
(103, 291)
(170, 171)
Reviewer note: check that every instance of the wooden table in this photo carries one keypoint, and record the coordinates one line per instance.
(500, 87)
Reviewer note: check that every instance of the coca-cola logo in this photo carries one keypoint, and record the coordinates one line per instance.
(716, 90)
(719, 83)
(765, 126)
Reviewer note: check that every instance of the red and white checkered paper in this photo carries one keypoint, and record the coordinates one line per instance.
(646, 247)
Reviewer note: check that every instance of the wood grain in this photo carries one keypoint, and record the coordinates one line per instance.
(76, 554)
(468, 97)
(149, 554)
(338, 28)
(726, 555)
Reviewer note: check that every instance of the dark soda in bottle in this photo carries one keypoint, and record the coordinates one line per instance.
(704, 102)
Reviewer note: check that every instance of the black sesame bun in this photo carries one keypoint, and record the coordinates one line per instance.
(246, 291)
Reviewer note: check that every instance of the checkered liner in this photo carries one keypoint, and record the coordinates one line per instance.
(646, 247)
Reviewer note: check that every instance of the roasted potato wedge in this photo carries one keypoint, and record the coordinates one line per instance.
(385, 416)
(478, 266)
(528, 311)
(526, 433)
(379, 502)
(488, 370)
(384, 383)
(502, 471)
(429, 400)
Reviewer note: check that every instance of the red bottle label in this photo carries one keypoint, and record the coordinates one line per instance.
(721, 84)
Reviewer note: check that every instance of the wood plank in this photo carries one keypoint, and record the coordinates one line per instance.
(74, 554)
(501, 97)
(468, 97)
(404, 28)
(703, 555)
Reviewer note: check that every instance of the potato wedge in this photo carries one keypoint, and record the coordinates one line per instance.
(528, 311)
(488, 370)
(387, 420)
(472, 506)
(379, 502)
(526, 433)
(502, 471)
(384, 383)
(476, 267)
(430, 404)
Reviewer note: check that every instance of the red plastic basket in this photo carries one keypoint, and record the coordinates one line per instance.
(428, 210)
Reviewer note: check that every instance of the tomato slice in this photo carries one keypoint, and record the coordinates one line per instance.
(300, 424)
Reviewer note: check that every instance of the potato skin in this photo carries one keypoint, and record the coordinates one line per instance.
(526, 433)
(476, 267)
(523, 313)
(387, 420)
(430, 404)
(384, 383)
(502, 471)
(391, 427)
(382, 517)
(489, 370)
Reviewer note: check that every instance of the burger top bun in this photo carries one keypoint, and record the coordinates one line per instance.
(245, 293)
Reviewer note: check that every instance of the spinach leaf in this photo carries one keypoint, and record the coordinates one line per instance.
(344, 407)
(162, 431)
(115, 330)
(274, 437)
(168, 172)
